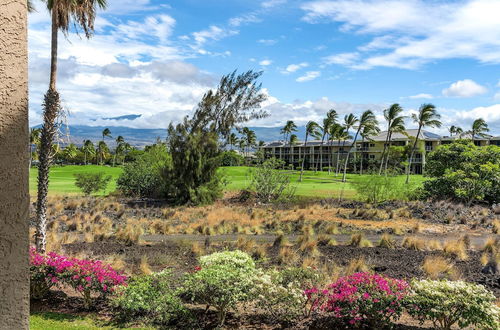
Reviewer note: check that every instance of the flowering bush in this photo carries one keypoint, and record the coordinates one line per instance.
(361, 299)
(446, 303)
(223, 280)
(151, 297)
(85, 276)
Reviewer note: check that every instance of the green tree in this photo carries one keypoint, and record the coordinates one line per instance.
(395, 124)
(232, 140)
(34, 142)
(427, 117)
(455, 130)
(367, 119)
(119, 149)
(70, 152)
(479, 128)
(102, 151)
(88, 150)
(90, 183)
(82, 14)
(288, 129)
(250, 139)
(366, 134)
(312, 129)
(328, 121)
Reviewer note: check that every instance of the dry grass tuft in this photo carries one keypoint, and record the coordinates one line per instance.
(387, 241)
(116, 261)
(130, 234)
(414, 243)
(491, 245)
(495, 226)
(357, 265)
(485, 258)
(456, 248)
(287, 256)
(436, 267)
(359, 240)
(280, 240)
(144, 266)
(197, 249)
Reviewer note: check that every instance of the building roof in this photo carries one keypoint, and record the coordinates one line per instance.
(424, 135)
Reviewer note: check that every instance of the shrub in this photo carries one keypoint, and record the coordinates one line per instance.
(152, 298)
(380, 188)
(271, 184)
(90, 183)
(223, 280)
(447, 303)
(360, 300)
(231, 158)
(142, 178)
(85, 276)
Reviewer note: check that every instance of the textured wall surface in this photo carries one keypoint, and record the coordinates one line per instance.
(14, 200)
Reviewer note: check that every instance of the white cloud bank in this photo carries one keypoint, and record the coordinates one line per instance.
(310, 75)
(464, 88)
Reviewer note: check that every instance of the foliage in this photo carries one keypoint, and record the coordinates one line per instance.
(152, 298)
(447, 303)
(90, 183)
(231, 158)
(271, 184)
(85, 276)
(142, 177)
(464, 172)
(361, 299)
(223, 280)
(381, 188)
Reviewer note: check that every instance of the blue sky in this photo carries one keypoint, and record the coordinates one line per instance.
(157, 58)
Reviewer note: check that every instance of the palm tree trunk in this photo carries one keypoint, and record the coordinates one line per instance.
(383, 154)
(319, 163)
(362, 154)
(411, 155)
(338, 159)
(303, 159)
(388, 153)
(348, 153)
(52, 108)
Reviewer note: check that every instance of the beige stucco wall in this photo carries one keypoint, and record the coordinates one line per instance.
(14, 269)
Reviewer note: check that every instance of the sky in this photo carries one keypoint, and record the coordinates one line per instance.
(157, 58)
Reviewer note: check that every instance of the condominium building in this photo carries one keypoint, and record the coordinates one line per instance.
(329, 153)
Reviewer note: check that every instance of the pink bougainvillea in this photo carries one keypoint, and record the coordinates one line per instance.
(85, 276)
(361, 299)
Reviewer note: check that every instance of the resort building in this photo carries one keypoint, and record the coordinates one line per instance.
(327, 154)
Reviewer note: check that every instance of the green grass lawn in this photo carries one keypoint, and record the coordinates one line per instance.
(58, 321)
(62, 180)
(319, 184)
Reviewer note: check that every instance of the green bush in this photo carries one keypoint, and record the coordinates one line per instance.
(90, 183)
(380, 188)
(142, 178)
(449, 303)
(151, 298)
(224, 280)
(271, 184)
(463, 172)
(231, 158)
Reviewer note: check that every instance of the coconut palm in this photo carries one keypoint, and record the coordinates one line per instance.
(328, 121)
(312, 129)
(102, 151)
(479, 128)
(288, 129)
(88, 150)
(70, 152)
(366, 134)
(455, 130)
(338, 133)
(367, 119)
(232, 140)
(119, 148)
(293, 140)
(427, 117)
(81, 14)
(395, 124)
(250, 139)
(34, 141)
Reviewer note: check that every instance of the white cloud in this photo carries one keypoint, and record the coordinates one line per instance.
(272, 3)
(294, 67)
(244, 19)
(421, 96)
(464, 88)
(342, 59)
(310, 75)
(497, 96)
(212, 33)
(267, 42)
(265, 62)
(403, 39)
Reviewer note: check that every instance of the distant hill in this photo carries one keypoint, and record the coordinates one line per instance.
(140, 137)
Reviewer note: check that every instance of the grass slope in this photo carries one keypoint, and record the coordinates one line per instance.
(319, 184)
(59, 321)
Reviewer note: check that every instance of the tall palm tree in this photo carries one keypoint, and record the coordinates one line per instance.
(367, 119)
(70, 152)
(293, 140)
(366, 134)
(250, 139)
(102, 151)
(34, 141)
(105, 133)
(479, 128)
(350, 121)
(328, 121)
(119, 148)
(82, 14)
(312, 129)
(427, 117)
(395, 123)
(88, 149)
(232, 139)
(339, 133)
(288, 129)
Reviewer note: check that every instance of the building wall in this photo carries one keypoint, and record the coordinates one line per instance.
(14, 199)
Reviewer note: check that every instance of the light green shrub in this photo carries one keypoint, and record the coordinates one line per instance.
(447, 303)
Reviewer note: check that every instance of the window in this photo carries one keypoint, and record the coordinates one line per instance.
(372, 156)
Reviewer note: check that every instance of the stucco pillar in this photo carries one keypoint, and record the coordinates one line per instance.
(14, 199)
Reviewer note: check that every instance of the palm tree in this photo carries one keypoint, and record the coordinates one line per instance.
(102, 150)
(427, 117)
(366, 133)
(88, 149)
(367, 119)
(312, 129)
(339, 133)
(105, 133)
(331, 118)
(241, 145)
(395, 124)
(81, 14)
(350, 121)
(70, 152)
(288, 129)
(293, 140)
(119, 147)
(250, 139)
(479, 128)
(232, 140)
(34, 141)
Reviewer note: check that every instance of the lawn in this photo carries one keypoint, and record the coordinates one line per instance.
(59, 321)
(314, 184)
